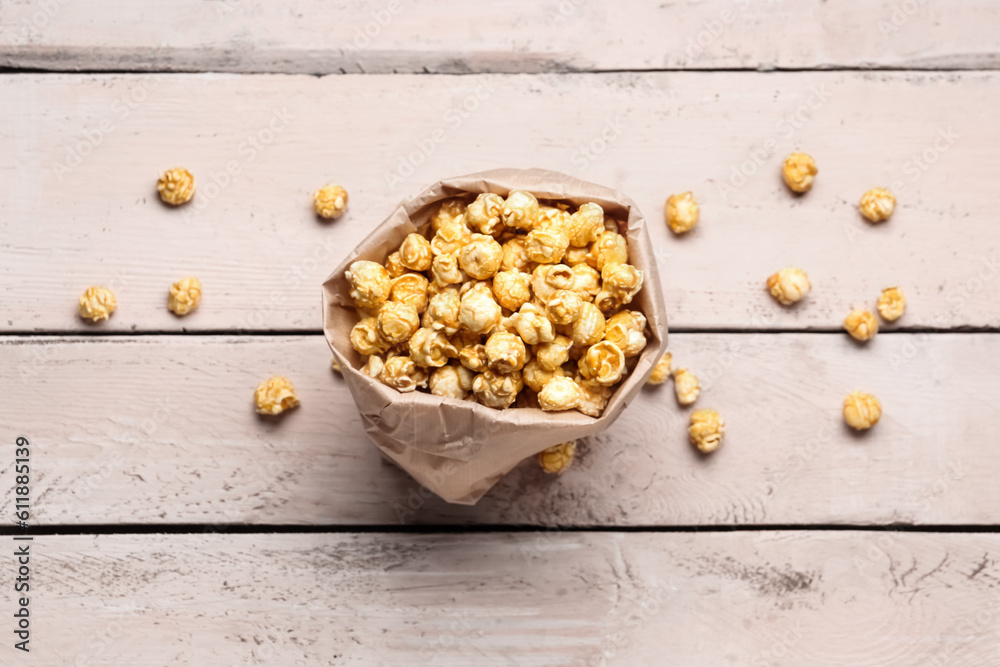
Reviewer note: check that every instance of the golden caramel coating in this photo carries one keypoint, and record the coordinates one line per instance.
(861, 410)
(706, 430)
(682, 212)
(330, 201)
(789, 285)
(563, 307)
(553, 355)
(515, 255)
(97, 303)
(891, 304)
(474, 357)
(450, 237)
(367, 339)
(594, 397)
(373, 366)
(402, 374)
(546, 279)
(484, 214)
(275, 395)
(415, 253)
(512, 289)
(394, 265)
(448, 210)
(622, 280)
(586, 225)
(626, 329)
(555, 460)
(536, 377)
(861, 324)
(661, 371)
(442, 312)
(370, 284)
(176, 186)
(586, 281)
(446, 271)
(607, 302)
(560, 393)
(588, 328)
(575, 256)
(686, 386)
(505, 352)
(520, 211)
(799, 171)
(430, 348)
(480, 257)
(604, 363)
(531, 325)
(185, 295)
(410, 288)
(546, 244)
(335, 366)
(397, 321)
(877, 204)
(452, 381)
(479, 313)
(608, 248)
(495, 390)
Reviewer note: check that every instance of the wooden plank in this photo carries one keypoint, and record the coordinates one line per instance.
(160, 430)
(533, 599)
(451, 36)
(68, 220)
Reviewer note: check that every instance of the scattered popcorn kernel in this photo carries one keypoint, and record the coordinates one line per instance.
(706, 430)
(789, 285)
(588, 328)
(373, 366)
(512, 289)
(609, 247)
(480, 257)
(275, 395)
(799, 171)
(452, 381)
(594, 397)
(546, 244)
(446, 271)
(877, 204)
(547, 278)
(626, 329)
(682, 212)
(515, 255)
(397, 321)
(474, 357)
(531, 325)
(559, 393)
(447, 211)
(553, 355)
(861, 324)
(520, 211)
(402, 374)
(604, 363)
(185, 295)
(442, 312)
(335, 366)
(861, 410)
(394, 265)
(662, 370)
(479, 312)
(536, 377)
(586, 281)
(586, 225)
(622, 280)
(431, 349)
(607, 302)
(555, 460)
(484, 214)
(411, 289)
(176, 186)
(505, 352)
(563, 307)
(367, 339)
(686, 386)
(891, 304)
(576, 256)
(330, 201)
(496, 390)
(97, 303)
(451, 237)
(415, 253)
(370, 284)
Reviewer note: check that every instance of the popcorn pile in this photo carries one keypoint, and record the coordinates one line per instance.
(506, 302)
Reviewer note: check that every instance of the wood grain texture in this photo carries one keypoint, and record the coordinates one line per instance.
(79, 156)
(160, 430)
(450, 36)
(867, 599)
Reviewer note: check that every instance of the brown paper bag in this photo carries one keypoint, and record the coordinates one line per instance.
(459, 449)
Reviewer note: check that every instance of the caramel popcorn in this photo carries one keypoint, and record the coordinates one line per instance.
(415, 253)
(686, 386)
(609, 247)
(706, 430)
(515, 255)
(626, 329)
(496, 390)
(877, 204)
(588, 328)
(185, 295)
(563, 307)
(553, 355)
(505, 352)
(397, 321)
(275, 395)
(604, 363)
(367, 339)
(484, 214)
(682, 212)
(531, 325)
(536, 376)
(403, 374)
(546, 244)
(451, 237)
(586, 225)
(546, 279)
(576, 256)
(447, 211)
(520, 211)
(330, 201)
(559, 393)
(452, 381)
(861, 410)
(373, 366)
(512, 289)
(442, 312)
(370, 284)
(479, 312)
(430, 348)
(555, 460)
(662, 370)
(861, 324)
(554, 215)
(480, 257)
(789, 285)
(394, 265)
(891, 304)
(474, 357)
(586, 281)
(446, 271)
(799, 171)
(411, 289)
(176, 186)
(335, 366)
(621, 280)
(594, 397)
(97, 303)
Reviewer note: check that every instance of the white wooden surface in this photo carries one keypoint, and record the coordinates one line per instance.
(452, 36)
(261, 253)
